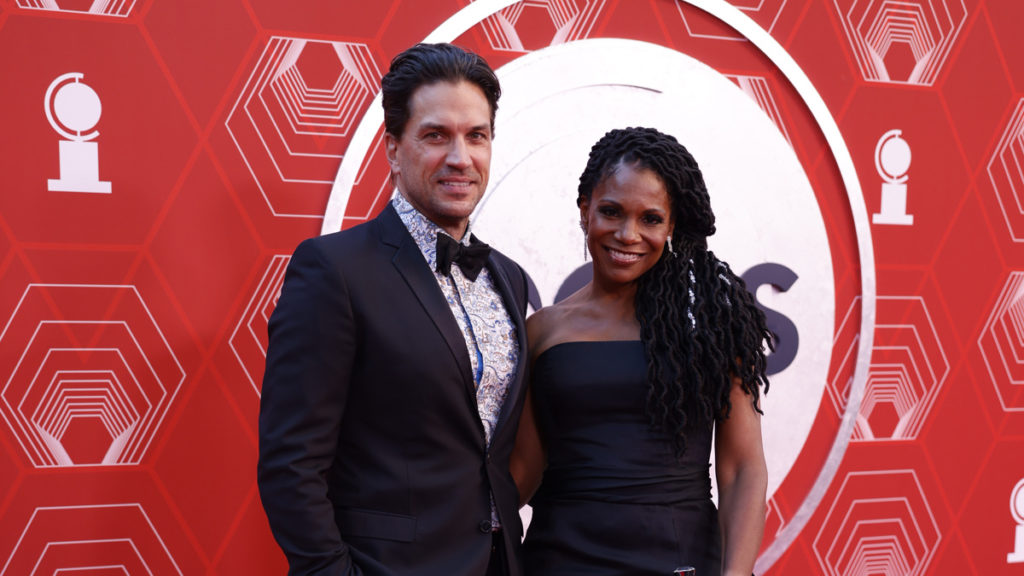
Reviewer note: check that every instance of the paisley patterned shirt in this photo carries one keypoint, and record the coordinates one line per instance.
(487, 328)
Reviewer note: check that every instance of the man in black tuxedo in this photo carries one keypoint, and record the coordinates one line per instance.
(394, 378)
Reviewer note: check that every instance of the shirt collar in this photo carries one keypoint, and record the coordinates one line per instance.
(423, 231)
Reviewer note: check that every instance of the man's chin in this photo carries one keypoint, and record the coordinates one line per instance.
(460, 206)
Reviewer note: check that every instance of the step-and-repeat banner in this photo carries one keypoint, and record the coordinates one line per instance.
(160, 159)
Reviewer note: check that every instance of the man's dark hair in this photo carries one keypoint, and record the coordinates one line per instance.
(425, 64)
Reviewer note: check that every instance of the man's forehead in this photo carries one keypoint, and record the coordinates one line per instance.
(444, 89)
(428, 109)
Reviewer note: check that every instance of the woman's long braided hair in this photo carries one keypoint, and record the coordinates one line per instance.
(699, 324)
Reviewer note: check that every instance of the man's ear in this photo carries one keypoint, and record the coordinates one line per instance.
(391, 151)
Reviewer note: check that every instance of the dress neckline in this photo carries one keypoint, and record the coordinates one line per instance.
(580, 342)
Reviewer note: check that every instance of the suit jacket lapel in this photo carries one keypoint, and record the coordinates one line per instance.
(501, 282)
(409, 262)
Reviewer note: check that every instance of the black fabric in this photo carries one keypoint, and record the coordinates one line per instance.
(372, 457)
(497, 566)
(470, 259)
(614, 499)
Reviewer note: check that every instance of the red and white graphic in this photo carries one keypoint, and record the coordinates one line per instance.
(249, 339)
(1017, 510)
(903, 41)
(295, 115)
(102, 7)
(73, 109)
(892, 160)
(758, 88)
(1006, 172)
(133, 323)
(97, 540)
(908, 369)
(534, 24)
(1016, 556)
(88, 376)
(845, 346)
(1002, 344)
(879, 523)
(698, 25)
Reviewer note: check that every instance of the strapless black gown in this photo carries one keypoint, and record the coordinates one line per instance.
(614, 499)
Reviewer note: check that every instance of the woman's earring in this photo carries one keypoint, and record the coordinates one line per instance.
(584, 228)
(668, 243)
(689, 306)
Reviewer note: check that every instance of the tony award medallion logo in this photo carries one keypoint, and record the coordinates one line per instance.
(892, 159)
(1017, 509)
(73, 109)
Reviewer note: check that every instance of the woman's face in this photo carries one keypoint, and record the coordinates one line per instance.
(627, 218)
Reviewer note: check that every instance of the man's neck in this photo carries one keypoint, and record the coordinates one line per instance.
(458, 231)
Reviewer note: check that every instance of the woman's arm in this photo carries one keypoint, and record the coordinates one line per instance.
(742, 484)
(528, 457)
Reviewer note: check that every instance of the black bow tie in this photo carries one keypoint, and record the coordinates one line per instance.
(470, 258)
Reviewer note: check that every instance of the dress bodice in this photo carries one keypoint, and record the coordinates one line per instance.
(614, 499)
(590, 399)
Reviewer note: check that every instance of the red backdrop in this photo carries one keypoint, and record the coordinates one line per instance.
(161, 158)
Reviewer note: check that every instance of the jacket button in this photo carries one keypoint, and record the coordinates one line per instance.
(485, 526)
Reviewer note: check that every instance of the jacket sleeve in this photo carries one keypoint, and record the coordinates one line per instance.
(309, 362)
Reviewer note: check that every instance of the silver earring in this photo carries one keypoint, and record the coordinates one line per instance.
(690, 304)
(583, 227)
(668, 243)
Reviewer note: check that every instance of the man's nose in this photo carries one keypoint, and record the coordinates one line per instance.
(458, 154)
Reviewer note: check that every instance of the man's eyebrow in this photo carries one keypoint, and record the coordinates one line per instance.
(432, 126)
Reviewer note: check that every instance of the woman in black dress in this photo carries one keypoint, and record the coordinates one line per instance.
(632, 374)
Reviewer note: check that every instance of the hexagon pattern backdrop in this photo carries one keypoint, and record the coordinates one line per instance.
(161, 159)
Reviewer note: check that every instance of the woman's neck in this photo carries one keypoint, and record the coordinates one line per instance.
(615, 301)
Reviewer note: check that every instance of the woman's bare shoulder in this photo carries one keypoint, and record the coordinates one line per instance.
(552, 325)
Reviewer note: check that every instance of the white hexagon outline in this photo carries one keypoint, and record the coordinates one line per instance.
(472, 14)
(136, 505)
(1014, 134)
(111, 379)
(920, 409)
(114, 8)
(314, 102)
(125, 418)
(120, 567)
(575, 27)
(871, 65)
(268, 288)
(1012, 291)
(128, 541)
(139, 449)
(54, 450)
(885, 386)
(105, 405)
(757, 8)
(926, 559)
(281, 48)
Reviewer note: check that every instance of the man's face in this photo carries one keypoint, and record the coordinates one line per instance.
(443, 158)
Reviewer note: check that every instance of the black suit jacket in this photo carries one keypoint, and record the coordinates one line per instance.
(372, 457)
